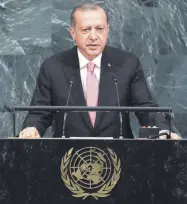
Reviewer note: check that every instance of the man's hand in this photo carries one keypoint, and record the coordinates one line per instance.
(174, 136)
(30, 132)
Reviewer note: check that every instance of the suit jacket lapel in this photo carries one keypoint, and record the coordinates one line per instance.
(107, 92)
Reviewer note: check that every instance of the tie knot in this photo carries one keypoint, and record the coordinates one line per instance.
(90, 66)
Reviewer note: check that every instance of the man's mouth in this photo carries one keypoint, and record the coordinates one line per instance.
(92, 45)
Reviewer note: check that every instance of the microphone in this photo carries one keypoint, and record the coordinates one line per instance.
(117, 95)
(67, 104)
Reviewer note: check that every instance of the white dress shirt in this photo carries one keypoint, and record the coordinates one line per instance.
(83, 68)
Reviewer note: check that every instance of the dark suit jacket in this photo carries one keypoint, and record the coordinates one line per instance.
(53, 85)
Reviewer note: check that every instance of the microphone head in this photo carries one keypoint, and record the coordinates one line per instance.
(71, 80)
(113, 73)
(114, 77)
(115, 80)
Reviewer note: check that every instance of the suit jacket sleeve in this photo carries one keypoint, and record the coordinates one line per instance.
(41, 120)
(141, 96)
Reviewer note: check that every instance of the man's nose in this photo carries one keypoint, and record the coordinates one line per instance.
(93, 35)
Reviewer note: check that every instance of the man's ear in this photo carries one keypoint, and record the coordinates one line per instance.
(72, 32)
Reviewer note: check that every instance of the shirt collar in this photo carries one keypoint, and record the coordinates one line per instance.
(83, 61)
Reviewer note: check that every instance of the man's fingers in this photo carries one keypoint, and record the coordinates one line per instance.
(174, 136)
(37, 136)
(163, 137)
(29, 132)
(21, 134)
(26, 134)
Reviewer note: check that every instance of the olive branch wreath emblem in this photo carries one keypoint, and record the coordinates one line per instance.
(77, 191)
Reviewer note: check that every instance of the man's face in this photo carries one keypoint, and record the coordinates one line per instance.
(90, 32)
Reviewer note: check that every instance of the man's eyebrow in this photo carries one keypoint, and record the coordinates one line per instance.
(85, 27)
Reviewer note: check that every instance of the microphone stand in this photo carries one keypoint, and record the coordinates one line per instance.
(117, 93)
(170, 123)
(14, 122)
(65, 114)
(168, 117)
(120, 115)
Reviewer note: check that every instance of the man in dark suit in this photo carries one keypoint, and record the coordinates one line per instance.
(92, 67)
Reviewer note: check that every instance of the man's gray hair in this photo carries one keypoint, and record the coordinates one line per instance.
(86, 7)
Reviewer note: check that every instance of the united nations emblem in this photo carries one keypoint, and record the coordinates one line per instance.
(90, 172)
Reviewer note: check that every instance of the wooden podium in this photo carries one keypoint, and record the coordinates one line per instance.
(90, 171)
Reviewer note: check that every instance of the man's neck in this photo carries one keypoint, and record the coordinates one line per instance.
(84, 60)
(90, 58)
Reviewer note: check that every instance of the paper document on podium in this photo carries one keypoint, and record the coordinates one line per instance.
(93, 138)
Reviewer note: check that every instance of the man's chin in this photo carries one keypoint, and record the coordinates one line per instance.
(95, 52)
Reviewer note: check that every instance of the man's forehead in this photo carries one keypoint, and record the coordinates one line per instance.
(88, 14)
(90, 19)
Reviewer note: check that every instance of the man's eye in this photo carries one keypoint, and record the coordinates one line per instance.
(100, 29)
(85, 30)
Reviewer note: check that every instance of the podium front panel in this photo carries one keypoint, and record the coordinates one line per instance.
(71, 171)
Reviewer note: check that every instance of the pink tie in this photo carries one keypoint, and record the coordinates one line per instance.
(91, 90)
